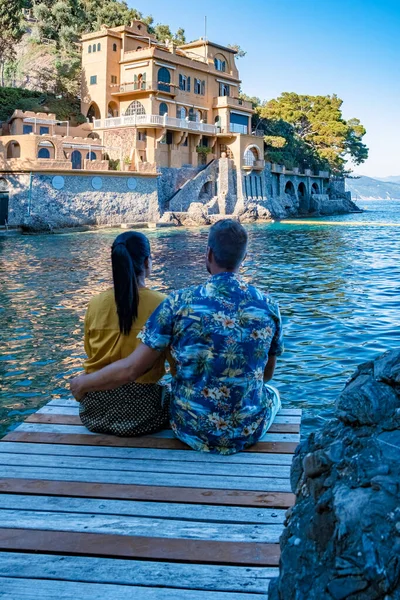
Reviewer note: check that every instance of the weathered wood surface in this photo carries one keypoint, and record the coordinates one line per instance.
(84, 515)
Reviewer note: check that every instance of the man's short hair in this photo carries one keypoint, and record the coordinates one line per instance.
(228, 242)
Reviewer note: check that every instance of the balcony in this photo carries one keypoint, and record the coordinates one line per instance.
(233, 128)
(158, 121)
(138, 87)
(229, 102)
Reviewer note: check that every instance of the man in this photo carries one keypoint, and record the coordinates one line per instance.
(225, 337)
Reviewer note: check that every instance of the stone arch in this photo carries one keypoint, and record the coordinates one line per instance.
(163, 109)
(112, 110)
(303, 197)
(46, 150)
(207, 192)
(13, 149)
(91, 155)
(76, 159)
(3, 184)
(220, 63)
(164, 80)
(94, 136)
(135, 108)
(181, 112)
(315, 188)
(251, 155)
(289, 189)
(93, 112)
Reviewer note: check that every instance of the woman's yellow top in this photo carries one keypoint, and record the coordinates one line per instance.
(105, 344)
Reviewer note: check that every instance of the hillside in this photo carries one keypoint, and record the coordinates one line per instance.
(391, 179)
(367, 188)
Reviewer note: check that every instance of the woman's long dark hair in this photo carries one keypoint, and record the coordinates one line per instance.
(128, 253)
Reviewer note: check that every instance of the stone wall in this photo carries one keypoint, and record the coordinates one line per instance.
(342, 537)
(193, 190)
(78, 203)
(172, 179)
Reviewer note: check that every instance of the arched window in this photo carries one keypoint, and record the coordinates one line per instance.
(44, 153)
(98, 47)
(94, 47)
(181, 112)
(301, 190)
(112, 110)
(135, 108)
(13, 150)
(93, 112)
(251, 155)
(164, 80)
(114, 47)
(139, 48)
(315, 188)
(76, 159)
(163, 110)
(90, 48)
(220, 63)
(91, 155)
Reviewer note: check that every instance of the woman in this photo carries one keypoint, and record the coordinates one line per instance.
(113, 320)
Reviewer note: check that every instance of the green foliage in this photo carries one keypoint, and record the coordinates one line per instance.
(11, 31)
(204, 150)
(240, 53)
(11, 97)
(16, 98)
(318, 129)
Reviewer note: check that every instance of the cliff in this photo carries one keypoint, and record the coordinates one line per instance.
(342, 537)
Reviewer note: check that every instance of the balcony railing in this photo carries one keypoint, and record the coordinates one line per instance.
(223, 101)
(236, 128)
(143, 86)
(154, 120)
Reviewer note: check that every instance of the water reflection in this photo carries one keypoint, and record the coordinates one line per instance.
(338, 288)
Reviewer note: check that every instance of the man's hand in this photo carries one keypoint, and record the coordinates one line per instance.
(117, 374)
(77, 386)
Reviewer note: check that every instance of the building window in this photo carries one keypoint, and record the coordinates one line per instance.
(44, 153)
(142, 136)
(224, 89)
(139, 48)
(93, 79)
(163, 140)
(181, 112)
(98, 47)
(114, 79)
(220, 64)
(90, 48)
(44, 130)
(163, 110)
(185, 143)
(194, 115)
(135, 108)
(203, 88)
(94, 47)
(90, 156)
(197, 86)
(114, 47)
(170, 137)
(183, 82)
(27, 129)
(164, 80)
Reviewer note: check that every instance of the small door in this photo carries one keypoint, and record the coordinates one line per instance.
(76, 159)
(3, 208)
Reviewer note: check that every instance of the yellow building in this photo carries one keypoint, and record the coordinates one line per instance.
(163, 105)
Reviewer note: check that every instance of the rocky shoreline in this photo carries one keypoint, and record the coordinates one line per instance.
(342, 537)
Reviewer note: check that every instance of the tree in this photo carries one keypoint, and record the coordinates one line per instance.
(240, 53)
(318, 123)
(11, 31)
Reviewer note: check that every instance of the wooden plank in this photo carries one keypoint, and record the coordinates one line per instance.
(147, 453)
(74, 410)
(123, 546)
(139, 442)
(147, 466)
(166, 510)
(166, 434)
(148, 527)
(21, 589)
(73, 402)
(62, 419)
(147, 493)
(253, 580)
(266, 484)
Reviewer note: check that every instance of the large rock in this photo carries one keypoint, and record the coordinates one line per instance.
(37, 224)
(342, 537)
(253, 212)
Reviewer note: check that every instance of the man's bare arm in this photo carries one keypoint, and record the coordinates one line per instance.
(269, 368)
(117, 374)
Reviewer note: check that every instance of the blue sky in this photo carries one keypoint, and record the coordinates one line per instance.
(347, 47)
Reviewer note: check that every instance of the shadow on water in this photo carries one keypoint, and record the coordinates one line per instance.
(338, 288)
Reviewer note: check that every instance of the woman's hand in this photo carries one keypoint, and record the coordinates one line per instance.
(77, 387)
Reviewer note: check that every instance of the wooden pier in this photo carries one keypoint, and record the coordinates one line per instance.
(85, 516)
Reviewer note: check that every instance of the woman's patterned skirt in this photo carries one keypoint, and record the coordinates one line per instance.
(130, 410)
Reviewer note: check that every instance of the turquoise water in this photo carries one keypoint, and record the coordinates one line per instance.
(337, 281)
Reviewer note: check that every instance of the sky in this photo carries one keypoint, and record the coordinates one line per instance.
(347, 47)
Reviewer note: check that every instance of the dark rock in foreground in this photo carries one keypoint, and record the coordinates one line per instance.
(342, 539)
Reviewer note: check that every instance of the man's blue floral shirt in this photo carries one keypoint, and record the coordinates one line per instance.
(220, 335)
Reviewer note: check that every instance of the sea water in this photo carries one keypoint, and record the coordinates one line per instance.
(337, 281)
